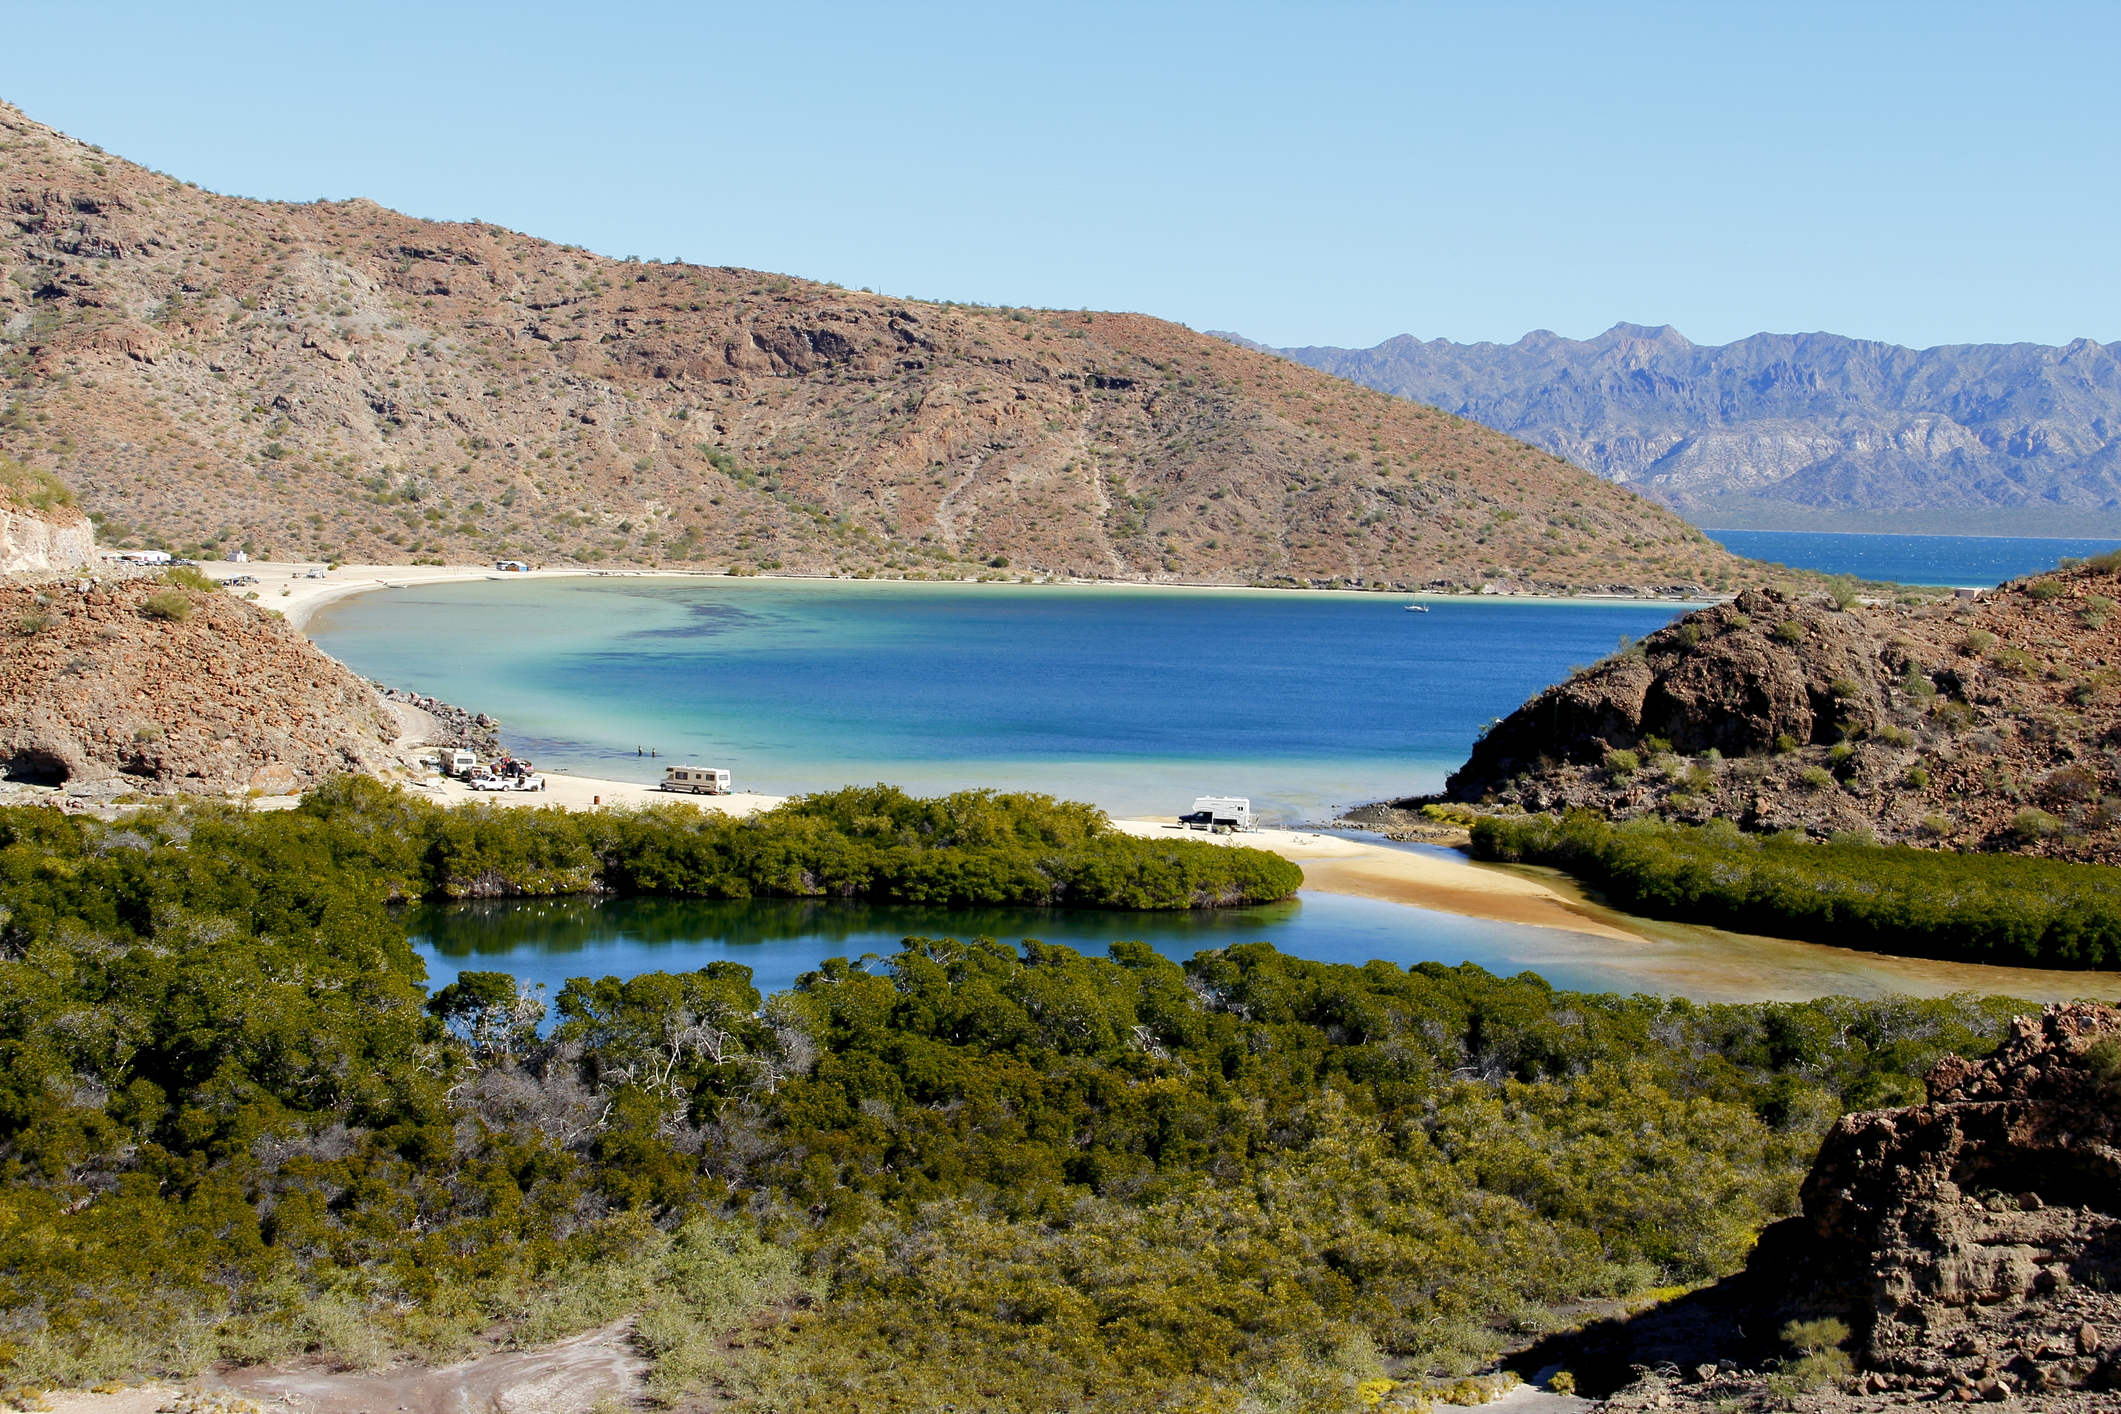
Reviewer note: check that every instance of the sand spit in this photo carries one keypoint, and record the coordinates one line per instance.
(1336, 865)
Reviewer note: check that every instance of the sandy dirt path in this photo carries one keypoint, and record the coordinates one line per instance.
(567, 1377)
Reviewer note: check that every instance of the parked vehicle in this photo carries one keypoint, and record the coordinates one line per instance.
(1220, 814)
(695, 780)
(461, 763)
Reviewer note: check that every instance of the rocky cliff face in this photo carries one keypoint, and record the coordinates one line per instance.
(44, 542)
(1991, 725)
(336, 380)
(131, 686)
(1803, 431)
(41, 530)
(1969, 1246)
(1931, 1229)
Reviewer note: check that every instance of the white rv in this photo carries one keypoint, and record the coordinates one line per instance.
(1220, 812)
(695, 780)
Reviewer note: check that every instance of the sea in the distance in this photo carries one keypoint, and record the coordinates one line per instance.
(1966, 561)
(1135, 699)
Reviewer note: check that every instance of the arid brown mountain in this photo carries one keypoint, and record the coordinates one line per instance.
(336, 380)
(1994, 725)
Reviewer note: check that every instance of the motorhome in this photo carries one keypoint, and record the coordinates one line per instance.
(695, 780)
(461, 762)
(1220, 812)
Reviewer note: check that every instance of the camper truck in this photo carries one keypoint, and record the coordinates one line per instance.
(1220, 814)
(695, 780)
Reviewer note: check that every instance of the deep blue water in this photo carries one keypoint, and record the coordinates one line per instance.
(1971, 561)
(1134, 699)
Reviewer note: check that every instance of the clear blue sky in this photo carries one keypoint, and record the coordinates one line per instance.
(1302, 173)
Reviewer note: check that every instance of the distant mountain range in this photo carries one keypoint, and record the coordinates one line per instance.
(1794, 431)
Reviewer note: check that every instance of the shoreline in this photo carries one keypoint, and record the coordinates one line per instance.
(1331, 864)
(288, 588)
(1336, 865)
(1566, 929)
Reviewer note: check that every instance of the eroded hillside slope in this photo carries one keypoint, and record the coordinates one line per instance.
(339, 380)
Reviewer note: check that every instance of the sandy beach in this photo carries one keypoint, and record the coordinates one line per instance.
(1336, 865)
(299, 590)
(589, 793)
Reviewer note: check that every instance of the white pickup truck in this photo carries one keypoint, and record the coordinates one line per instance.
(1220, 813)
(488, 781)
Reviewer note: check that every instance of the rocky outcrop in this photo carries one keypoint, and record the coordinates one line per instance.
(110, 687)
(1979, 1235)
(448, 725)
(1969, 1248)
(1993, 725)
(42, 531)
(47, 542)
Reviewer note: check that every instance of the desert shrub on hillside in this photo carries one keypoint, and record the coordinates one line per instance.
(190, 577)
(31, 487)
(173, 605)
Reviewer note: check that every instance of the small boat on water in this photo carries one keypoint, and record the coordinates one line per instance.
(1417, 608)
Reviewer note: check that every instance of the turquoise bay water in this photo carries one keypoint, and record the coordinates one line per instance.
(1134, 699)
(1973, 561)
(550, 940)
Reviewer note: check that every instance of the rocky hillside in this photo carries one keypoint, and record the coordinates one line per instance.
(336, 380)
(1961, 1251)
(117, 686)
(1990, 725)
(1796, 431)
